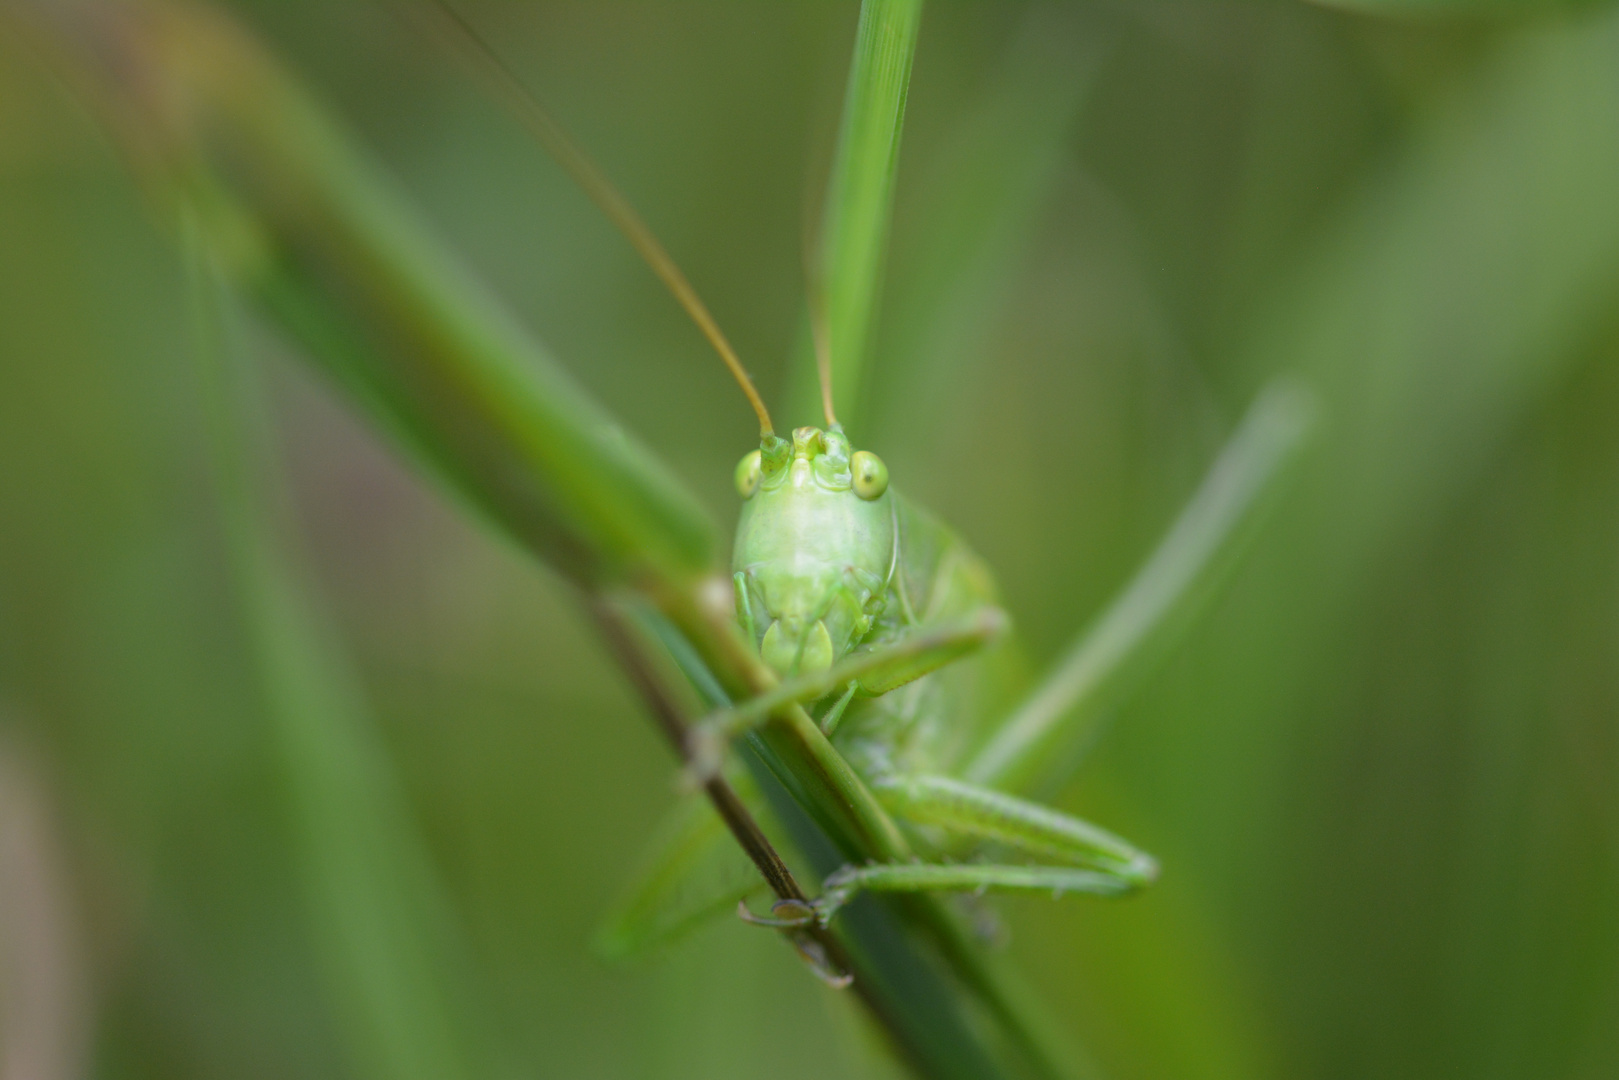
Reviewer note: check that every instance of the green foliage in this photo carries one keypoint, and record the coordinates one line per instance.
(300, 221)
(398, 988)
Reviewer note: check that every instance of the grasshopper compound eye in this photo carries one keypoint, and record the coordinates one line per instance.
(870, 475)
(749, 472)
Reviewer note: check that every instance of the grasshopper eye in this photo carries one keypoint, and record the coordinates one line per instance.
(870, 475)
(749, 472)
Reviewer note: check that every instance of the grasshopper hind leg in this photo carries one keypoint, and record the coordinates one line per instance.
(1089, 859)
(970, 809)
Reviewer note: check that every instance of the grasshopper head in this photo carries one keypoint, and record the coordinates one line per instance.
(814, 547)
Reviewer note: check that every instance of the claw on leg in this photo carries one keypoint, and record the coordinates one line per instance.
(794, 917)
(784, 915)
(814, 954)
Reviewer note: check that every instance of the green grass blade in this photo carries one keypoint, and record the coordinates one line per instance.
(381, 925)
(982, 198)
(859, 200)
(1158, 600)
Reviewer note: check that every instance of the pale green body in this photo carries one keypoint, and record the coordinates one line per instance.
(821, 572)
(813, 560)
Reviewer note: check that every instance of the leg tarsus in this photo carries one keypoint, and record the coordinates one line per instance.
(784, 915)
(793, 918)
(813, 953)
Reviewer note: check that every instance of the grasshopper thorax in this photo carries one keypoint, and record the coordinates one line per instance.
(815, 548)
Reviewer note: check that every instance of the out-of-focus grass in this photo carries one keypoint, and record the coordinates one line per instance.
(403, 997)
(1380, 775)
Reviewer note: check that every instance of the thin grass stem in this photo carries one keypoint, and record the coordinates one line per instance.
(1157, 599)
(853, 240)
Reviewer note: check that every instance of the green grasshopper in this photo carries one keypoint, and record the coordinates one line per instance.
(845, 585)
(867, 605)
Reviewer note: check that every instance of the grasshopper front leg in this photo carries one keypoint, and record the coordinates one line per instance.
(872, 670)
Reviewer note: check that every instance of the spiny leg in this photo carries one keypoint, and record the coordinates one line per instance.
(961, 807)
(1099, 863)
(842, 885)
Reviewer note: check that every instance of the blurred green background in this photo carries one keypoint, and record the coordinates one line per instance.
(1381, 772)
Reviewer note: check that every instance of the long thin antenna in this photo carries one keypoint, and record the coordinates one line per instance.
(823, 344)
(505, 83)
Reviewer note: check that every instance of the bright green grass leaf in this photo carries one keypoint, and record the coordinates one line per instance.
(853, 241)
